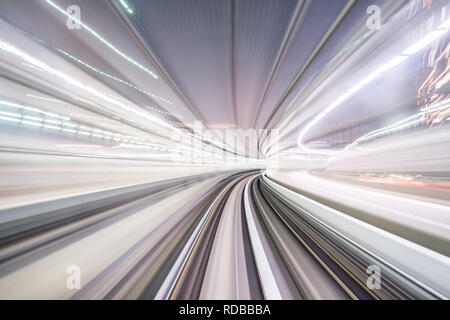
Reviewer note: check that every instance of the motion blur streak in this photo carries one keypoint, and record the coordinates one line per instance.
(224, 149)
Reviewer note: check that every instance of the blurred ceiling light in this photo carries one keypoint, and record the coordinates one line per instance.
(112, 77)
(401, 125)
(104, 41)
(44, 98)
(9, 119)
(16, 117)
(69, 124)
(392, 63)
(52, 127)
(165, 112)
(428, 39)
(126, 6)
(33, 118)
(32, 66)
(35, 124)
(76, 83)
(52, 121)
(32, 109)
(11, 114)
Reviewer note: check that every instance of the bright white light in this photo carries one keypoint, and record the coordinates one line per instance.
(419, 45)
(392, 63)
(19, 106)
(9, 119)
(10, 114)
(35, 124)
(52, 121)
(52, 127)
(44, 98)
(74, 82)
(429, 38)
(33, 118)
(400, 125)
(124, 4)
(69, 130)
(32, 66)
(445, 25)
(104, 41)
(114, 78)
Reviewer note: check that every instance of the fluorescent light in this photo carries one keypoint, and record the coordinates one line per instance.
(99, 37)
(35, 124)
(10, 114)
(52, 127)
(419, 45)
(430, 37)
(44, 98)
(33, 118)
(392, 63)
(68, 124)
(445, 25)
(9, 119)
(32, 66)
(52, 121)
(124, 4)
(19, 106)
(114, 78)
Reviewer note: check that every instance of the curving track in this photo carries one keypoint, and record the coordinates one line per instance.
(234, 235)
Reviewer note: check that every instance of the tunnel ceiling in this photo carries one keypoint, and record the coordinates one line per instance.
(234, 60)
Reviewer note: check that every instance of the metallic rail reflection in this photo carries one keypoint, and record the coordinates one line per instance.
(235, 235)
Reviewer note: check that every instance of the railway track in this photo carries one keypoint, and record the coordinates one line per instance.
(235, 235)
